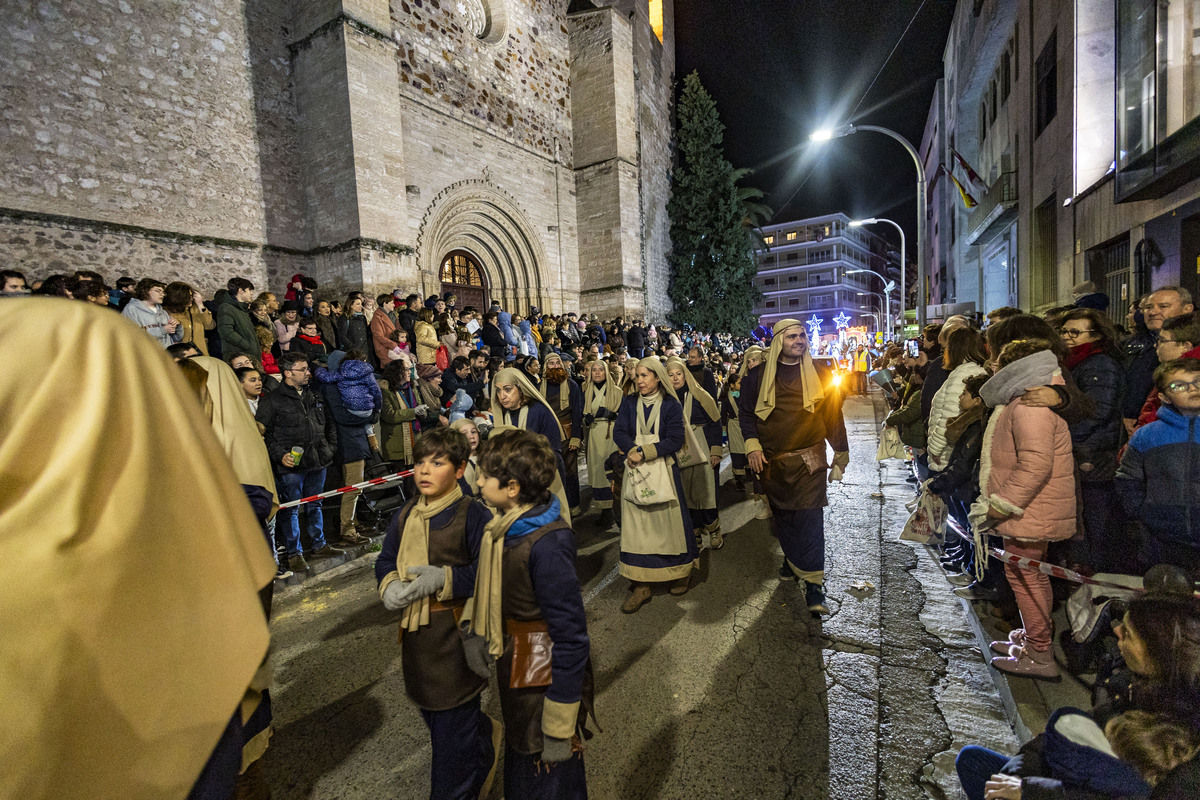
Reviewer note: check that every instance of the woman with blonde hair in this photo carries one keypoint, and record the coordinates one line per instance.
(427, 340)
(601, 403)
(700, 460)
(657, 541)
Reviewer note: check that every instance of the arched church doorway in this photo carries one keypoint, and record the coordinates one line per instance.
(461, 275)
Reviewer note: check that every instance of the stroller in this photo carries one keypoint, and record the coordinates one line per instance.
(378, 504)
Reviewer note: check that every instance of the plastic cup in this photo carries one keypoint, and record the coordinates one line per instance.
(297, 454)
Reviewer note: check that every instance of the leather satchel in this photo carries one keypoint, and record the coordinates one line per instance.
(531, 646)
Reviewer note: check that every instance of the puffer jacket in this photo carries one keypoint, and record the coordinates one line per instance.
(944, 408)
(290, 418)
(427, 343)
(1098, 437)
(1159, 477)
(1030, 468)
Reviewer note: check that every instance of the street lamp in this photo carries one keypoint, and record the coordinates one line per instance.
(903, 263)
(887, 291)
(887, 315)
(826, 134)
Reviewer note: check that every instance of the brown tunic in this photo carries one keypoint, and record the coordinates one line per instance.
(436, 675)
(793, 441)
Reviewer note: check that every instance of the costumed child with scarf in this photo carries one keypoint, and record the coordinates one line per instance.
(527, 613)
(426, 570)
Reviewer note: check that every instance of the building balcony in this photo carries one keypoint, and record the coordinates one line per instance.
(995, 210)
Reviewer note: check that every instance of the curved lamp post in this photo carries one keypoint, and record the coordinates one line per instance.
(903, 264)
(826, 134)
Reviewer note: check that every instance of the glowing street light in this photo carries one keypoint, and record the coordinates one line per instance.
(826, 134)
(903, 262)
(887, 291)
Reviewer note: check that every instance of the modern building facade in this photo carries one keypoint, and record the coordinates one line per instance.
(517, 150)
(1080, 120)
(806, 272)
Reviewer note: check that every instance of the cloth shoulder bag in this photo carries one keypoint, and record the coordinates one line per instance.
(692, 454)
(890, 445)
(927, 521)
(649, 483)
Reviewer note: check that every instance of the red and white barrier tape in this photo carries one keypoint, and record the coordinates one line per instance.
(347, 489)
(1053, 570)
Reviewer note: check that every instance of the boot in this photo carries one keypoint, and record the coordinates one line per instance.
(739, 483)
(350, 535)
(785, 572)
(1029, 664)
(606, 519)
(716, 539)
(764, 507)
(638, 598)
(680, 586)
(814, 595)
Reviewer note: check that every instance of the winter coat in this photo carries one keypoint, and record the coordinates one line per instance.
(961, 475)
(1029, 463)
(397, 423)
(352, 444)
(527, 339)
(355, 381)
(1139, 380)
(382, 326)
(943, 409)
(494, 339)
(192, 325)
(285, 333)
(354, 334)
(236, 329)
(153, 320)
(1098, 437)
(511, 337)
(636, 338)
(907, 419)
(289, 418)
(1159, 477)
(328, 332)
(316, 351)
(427, 343)
(935, 376)
(451, 383)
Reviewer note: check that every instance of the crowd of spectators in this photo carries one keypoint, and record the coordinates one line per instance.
(1073, 441)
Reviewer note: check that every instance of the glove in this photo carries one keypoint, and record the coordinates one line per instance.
(424, 580)
(555, 750)
(422, 410)
(588, 419)
(395, 596)
(840, 462)
(475, 648)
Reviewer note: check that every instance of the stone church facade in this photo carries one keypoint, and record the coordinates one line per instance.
(509, 149)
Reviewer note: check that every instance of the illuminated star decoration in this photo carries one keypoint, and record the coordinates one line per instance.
(841, 320)
(814, 326)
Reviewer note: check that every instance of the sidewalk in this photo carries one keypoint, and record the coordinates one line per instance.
(1028, 703)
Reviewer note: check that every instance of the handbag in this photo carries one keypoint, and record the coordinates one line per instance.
(649, 483)
(927, 521)
(692, 454)
(441, 357)
(890, 445)
(531, 661)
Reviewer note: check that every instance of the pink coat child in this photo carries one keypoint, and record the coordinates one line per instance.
(1030, 494)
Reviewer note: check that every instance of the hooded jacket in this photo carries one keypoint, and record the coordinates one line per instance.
(236, 329)
(1031, 468)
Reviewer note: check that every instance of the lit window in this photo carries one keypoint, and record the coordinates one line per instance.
(656, 18)
(769, 239)
(791, 237)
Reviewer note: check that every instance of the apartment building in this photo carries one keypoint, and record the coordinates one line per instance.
(807, 271)
(1079, 118)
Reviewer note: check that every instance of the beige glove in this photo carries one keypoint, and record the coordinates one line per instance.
(840, 462)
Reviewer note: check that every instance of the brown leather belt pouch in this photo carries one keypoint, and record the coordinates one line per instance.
(531, 654)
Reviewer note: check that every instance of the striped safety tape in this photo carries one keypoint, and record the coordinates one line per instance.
(346, 489)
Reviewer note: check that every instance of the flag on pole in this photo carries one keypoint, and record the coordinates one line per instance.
(973, 178)
(968, 201)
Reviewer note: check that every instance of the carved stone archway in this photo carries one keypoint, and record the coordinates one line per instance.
(480, 218)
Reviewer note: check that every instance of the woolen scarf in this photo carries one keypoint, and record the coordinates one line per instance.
(414, 550)
(485, 609)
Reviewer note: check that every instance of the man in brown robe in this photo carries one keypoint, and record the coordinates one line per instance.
(789, 408)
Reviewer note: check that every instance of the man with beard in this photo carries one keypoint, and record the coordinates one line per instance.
(702, 374)
(788, 409)
(564, 396)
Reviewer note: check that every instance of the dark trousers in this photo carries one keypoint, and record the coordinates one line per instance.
(801, 534)
(527, 778)
(461, 738)
(217, 779)
(975, 765)
(1108, 548)
(571, 477)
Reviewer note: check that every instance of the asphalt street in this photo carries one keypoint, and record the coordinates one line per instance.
(731, 691)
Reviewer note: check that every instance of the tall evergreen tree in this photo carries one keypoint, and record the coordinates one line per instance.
(712, 260)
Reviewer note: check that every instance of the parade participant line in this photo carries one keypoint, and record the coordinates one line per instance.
(346, 489)
(1053, 570)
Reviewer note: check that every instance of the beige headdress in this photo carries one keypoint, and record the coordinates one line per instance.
(811, 384)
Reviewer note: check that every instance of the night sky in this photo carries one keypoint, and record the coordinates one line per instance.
(780, 69)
